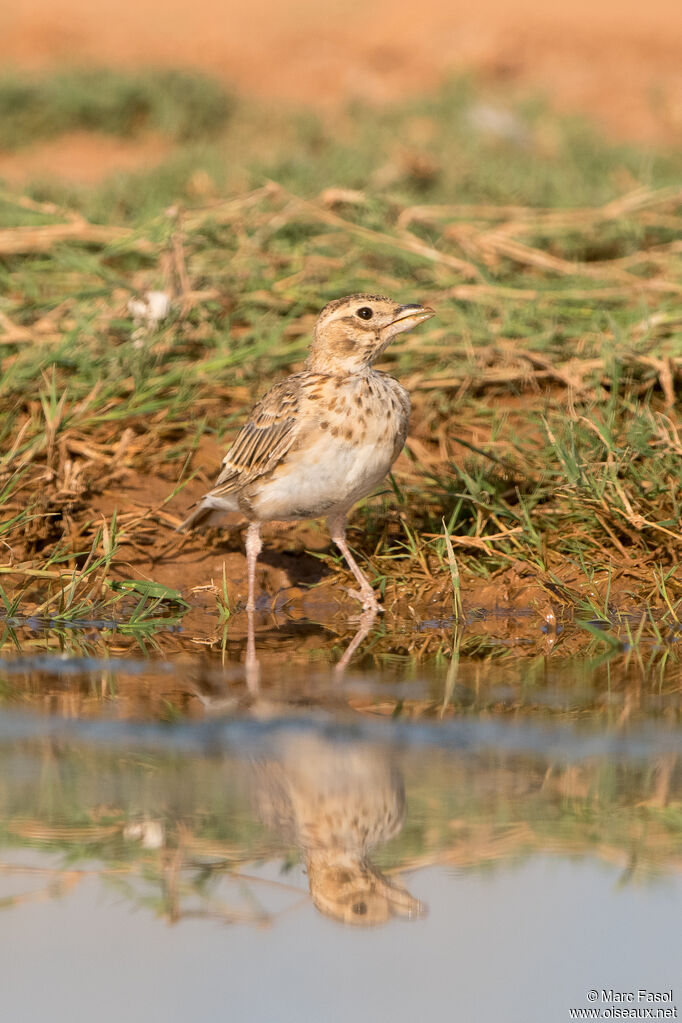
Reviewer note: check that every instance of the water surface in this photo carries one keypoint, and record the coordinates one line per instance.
(202, 831)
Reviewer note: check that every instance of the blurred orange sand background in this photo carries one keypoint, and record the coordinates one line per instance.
(617, 60)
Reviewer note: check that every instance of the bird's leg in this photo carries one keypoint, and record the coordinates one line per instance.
(337, 529)
(367, 619)
(251, 665)
(253, 549)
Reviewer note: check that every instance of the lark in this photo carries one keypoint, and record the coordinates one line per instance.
(336, 801)
(322, 439)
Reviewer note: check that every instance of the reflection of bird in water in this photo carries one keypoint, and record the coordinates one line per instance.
(335, 802)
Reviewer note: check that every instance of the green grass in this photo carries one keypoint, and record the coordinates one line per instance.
(546, 425)
(180, 105)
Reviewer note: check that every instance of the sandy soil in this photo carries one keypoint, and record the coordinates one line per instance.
(619, 60)
(81, 157)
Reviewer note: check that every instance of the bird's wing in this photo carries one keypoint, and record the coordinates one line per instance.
(264, 440)
(404, 400)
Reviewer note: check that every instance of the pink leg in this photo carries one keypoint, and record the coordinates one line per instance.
(252, 666)
(253, 549)
(337, 529)
(367, 619)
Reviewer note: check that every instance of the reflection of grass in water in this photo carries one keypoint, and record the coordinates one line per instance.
(545, 429)
(465, 813)
(410, 673)
(487, 813)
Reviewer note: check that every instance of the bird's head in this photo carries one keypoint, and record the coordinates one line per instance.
(352, 332)
(350, 889)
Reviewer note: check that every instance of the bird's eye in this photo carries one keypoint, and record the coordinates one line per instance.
(359, 908)
(365, 313)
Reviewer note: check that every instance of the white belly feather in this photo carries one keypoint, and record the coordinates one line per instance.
(334, 465)
(331, 474)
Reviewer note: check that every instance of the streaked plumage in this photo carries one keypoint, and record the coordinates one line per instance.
(322, 439)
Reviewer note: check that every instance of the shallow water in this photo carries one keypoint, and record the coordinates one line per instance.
(192, 832)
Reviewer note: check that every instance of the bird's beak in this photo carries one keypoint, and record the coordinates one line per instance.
(409, 316)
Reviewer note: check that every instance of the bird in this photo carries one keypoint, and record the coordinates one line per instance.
(323, 438)
(335, 801)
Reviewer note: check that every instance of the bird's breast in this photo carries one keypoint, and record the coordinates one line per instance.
(351, 437)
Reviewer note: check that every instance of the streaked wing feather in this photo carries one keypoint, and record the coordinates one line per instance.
(264, 440)
(401, 436)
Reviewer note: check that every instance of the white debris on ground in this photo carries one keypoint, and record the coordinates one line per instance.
(148, 312)
(496, 122)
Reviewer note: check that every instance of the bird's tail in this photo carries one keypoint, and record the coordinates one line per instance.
(204, 515)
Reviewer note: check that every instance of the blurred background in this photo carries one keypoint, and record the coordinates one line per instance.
(619, 63)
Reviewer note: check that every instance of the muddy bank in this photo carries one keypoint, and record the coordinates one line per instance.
(517, 606)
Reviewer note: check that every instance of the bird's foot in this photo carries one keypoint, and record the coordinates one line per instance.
(367, 598)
